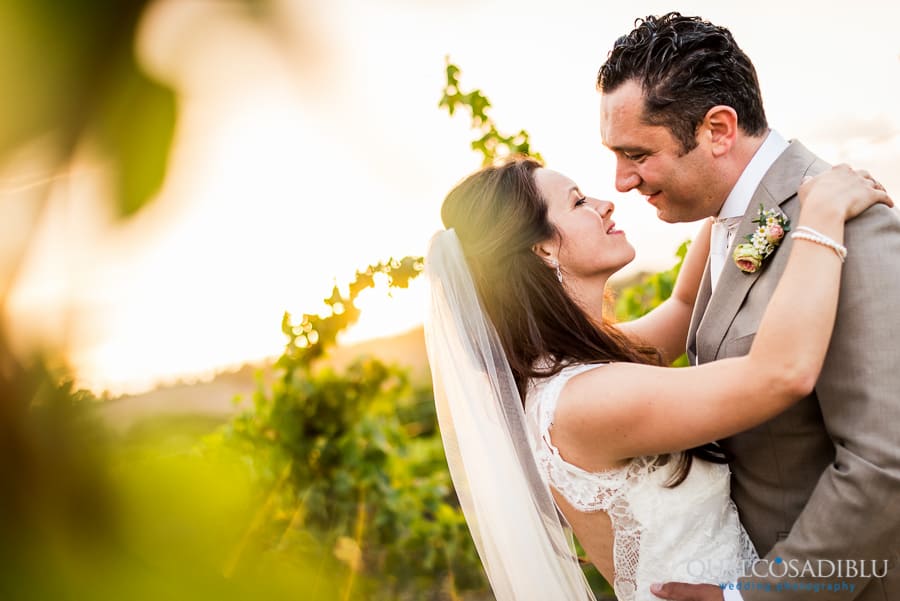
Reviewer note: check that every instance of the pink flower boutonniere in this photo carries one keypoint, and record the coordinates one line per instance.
(773, 225)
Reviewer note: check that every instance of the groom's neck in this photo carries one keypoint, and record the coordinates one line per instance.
(742, 153)
(738, 158)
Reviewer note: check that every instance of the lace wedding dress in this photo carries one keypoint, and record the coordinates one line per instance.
(687, 533)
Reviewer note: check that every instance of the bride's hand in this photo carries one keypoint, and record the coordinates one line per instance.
(852, 191)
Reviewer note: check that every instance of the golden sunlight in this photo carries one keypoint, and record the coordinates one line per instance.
(288, 175)
(387, 312)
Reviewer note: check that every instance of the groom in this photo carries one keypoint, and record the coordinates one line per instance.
(682, 111)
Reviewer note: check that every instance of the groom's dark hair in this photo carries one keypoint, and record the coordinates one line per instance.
(685, 66)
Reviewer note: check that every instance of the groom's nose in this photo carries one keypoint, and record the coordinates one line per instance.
(626, 177)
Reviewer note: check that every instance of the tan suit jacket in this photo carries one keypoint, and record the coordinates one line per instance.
(821, 480)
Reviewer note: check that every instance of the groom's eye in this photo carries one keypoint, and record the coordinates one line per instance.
(635, 156)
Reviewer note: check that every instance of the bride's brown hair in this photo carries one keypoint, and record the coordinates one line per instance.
(499, 215)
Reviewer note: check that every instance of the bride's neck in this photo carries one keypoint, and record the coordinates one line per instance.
(589, 295)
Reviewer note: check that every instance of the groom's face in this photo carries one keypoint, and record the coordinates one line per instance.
(682, 186)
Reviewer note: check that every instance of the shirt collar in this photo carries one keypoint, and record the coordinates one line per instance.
(737, 202)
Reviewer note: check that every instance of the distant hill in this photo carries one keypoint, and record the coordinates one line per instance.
(407, 350)
(214, 398)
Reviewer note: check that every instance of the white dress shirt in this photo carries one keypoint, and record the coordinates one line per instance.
(738, 201)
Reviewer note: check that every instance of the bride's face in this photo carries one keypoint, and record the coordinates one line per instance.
(589, 244)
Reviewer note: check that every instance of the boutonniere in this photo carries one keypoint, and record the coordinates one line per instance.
(772, 226)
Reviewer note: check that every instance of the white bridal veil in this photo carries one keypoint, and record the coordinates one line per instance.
(508, 507)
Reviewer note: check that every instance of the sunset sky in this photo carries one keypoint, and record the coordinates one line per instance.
(300, 159)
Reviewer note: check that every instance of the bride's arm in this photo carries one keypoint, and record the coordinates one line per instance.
(627, 410)
(666, 326)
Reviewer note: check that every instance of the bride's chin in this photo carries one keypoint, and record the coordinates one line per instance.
(627, 258)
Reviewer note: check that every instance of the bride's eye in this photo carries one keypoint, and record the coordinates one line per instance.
(581, 201)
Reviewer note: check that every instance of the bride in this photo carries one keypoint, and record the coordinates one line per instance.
(555, 420)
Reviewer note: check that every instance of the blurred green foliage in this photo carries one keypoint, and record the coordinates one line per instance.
(354, 461)
(641, 297)
(87, 514)
(492, 144)
(648, 292)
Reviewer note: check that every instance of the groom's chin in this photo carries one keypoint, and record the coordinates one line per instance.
(663, 215)
(667, 217)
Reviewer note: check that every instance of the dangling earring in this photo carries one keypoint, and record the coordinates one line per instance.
(558, 271)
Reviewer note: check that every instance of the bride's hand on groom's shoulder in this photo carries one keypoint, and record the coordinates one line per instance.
(850, 190)
(680, 591)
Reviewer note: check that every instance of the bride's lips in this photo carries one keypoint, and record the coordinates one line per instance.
(611, 230)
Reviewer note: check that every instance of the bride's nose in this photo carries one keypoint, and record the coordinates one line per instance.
(604, 208)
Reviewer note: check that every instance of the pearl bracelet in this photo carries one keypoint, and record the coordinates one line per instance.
(807, 233)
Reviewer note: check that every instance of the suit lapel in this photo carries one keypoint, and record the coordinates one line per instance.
(703, 295)
(732, 287)
(778, 185)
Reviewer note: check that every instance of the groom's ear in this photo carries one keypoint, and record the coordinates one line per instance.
(720, 126)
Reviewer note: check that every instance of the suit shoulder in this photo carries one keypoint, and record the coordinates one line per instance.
(878, 220)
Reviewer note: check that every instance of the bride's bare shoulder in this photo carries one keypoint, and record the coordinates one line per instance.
(591, 407)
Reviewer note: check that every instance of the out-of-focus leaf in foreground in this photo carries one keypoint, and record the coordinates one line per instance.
(68, 72)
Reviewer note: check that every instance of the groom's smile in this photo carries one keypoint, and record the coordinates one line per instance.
(681, 185)
(652, 198)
